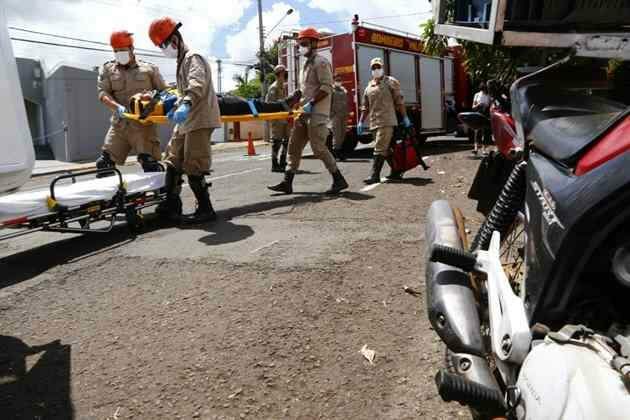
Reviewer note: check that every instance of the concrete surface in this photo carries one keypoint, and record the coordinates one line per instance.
(260, 315)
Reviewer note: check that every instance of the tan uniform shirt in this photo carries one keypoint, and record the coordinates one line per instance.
(339, 107)
(275, 93)
(121, 83)
(380, 99)
(194, 83)
(317, 75)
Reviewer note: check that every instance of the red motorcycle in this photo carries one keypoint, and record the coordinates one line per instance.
(495, 168)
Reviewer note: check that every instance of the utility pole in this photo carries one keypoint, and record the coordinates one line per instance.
(261, 35)
(219, 76)
(263, 84)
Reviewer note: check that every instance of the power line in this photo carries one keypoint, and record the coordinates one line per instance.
(72, 38)
(148, 53)
(79, 47)
(369, 18)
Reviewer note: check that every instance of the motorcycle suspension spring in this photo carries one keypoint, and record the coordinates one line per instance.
(504, 212)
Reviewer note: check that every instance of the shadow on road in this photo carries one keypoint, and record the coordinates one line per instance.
(30, 263)
(225, 232)
(443, 147)
(416, 181)
(297, 199)
(41, 392)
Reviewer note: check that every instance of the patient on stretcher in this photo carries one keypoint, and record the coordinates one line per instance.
(160, 103)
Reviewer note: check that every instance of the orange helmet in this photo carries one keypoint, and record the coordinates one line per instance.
(121, 39)
(308, 33)
(161, 29)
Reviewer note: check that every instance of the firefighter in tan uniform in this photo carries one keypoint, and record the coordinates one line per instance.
(280, 130)
(316, 86)
(339, 117)
(381, 100)
(196, 115)
(118, 80)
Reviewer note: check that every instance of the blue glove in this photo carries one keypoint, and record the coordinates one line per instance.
(308, 108)
(360, 128)
(180, 114)
(407, 122)
(120, 110)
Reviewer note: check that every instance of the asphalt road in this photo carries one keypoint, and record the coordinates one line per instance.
(259, 315)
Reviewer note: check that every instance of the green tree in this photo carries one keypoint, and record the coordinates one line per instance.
(245, 87)
(270, 60)
(435, 45)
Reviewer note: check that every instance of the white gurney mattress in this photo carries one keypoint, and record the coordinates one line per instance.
(35, 202)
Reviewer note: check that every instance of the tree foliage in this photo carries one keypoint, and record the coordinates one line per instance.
(245, 87)
(435, 45)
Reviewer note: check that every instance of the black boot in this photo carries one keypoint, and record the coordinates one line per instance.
(339, 183)
(275, 149)
(283, 155)
(171, 208)
(339, 155)
(148, 163)
(105, 162)
(375, 174)
(204, 212)
(286, 186)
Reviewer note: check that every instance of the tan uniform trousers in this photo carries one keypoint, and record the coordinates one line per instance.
(190, 153)
(311, 129)
(125, 136)
(339, 127)
(383, 136)
(280, 131)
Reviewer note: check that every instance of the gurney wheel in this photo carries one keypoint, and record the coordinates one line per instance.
(135, 221)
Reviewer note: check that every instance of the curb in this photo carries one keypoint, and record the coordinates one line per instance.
(132, 160)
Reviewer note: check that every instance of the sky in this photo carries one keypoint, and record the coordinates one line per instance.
(225, 29)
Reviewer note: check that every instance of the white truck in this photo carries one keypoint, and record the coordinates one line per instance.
(17, 156)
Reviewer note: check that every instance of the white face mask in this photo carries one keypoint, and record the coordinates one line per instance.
(338, 84)
(304, 50)
(122, 57)
(377, 73)
(170, 51)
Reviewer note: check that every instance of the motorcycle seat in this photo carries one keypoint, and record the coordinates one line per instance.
(561, 124)
(474, 120)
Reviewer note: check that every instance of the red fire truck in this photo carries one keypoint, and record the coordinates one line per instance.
(427, 83)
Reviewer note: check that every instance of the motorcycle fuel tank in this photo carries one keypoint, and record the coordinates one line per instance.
(570, 382)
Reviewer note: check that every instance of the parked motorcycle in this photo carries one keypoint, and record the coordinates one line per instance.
(540, 328)
(495, 168)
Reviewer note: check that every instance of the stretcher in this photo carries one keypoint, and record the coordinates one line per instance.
(269, 116)
(74, 202)
(152, 108)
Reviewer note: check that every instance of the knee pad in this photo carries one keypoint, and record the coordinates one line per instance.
(148, 163)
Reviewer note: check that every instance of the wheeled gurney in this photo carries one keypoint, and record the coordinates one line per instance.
(76, 206)
(153, 108)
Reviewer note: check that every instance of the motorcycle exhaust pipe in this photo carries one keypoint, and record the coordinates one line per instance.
(453, 313)
(451, 303)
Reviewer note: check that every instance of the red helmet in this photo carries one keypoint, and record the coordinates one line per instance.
(308, 33)
(161, 29)
(121, 39)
